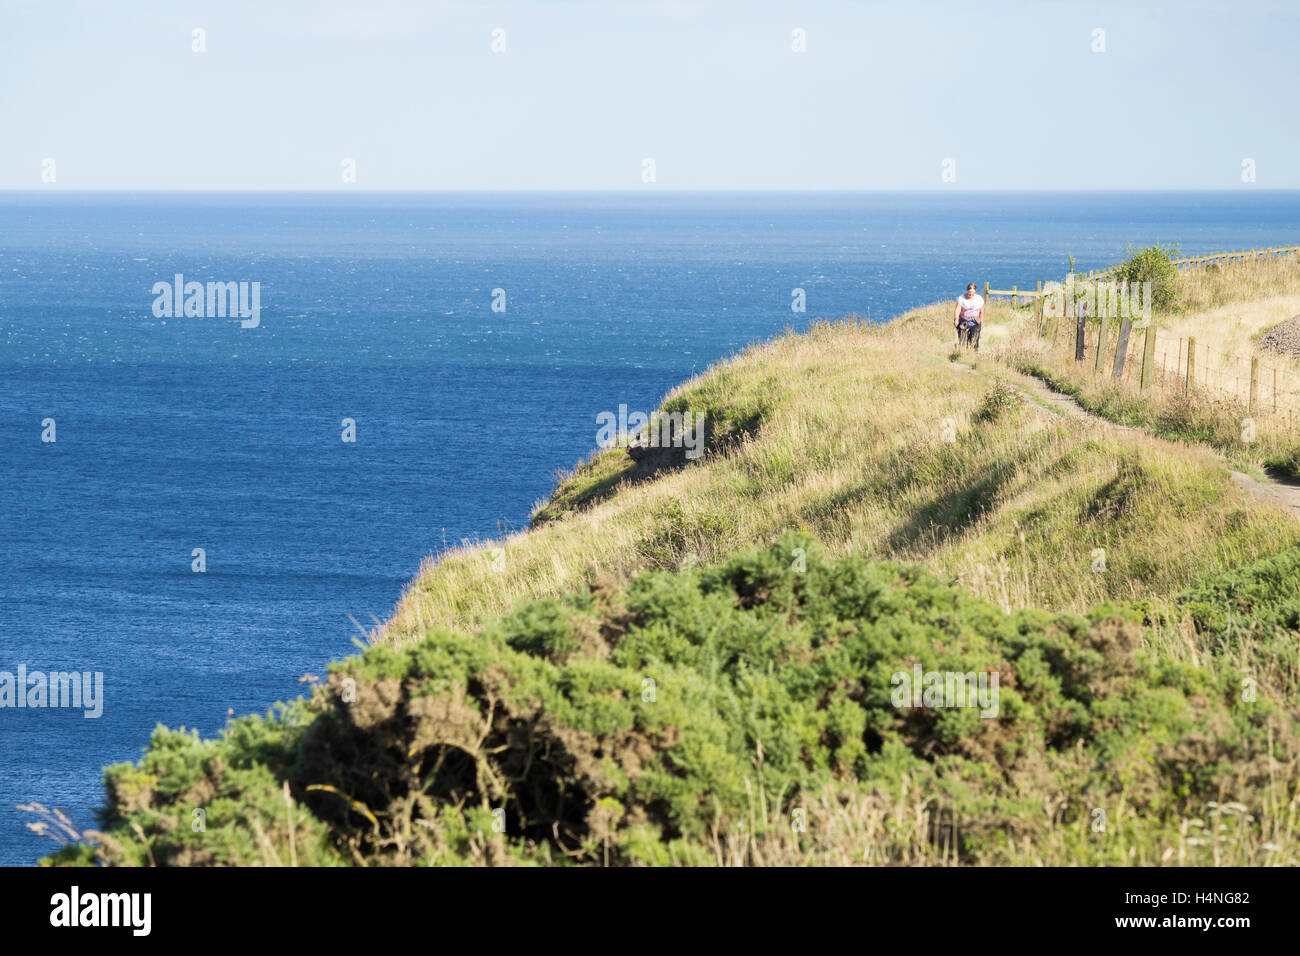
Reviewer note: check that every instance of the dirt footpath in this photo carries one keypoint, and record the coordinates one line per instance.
(1273, 491)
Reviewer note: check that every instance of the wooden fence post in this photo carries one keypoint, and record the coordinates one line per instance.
(1148, 357)
(1121, 348)
(1081, 330)
(1254, 384)
(1101, 344)
(1038, 313)
(1191, 364)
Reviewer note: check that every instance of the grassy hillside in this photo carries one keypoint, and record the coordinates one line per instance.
(840, 432)
(697, 665)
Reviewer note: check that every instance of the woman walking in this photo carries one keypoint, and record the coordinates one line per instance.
(969, 318)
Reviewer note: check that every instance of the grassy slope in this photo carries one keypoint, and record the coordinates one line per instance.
(523, 688)
(849, 447)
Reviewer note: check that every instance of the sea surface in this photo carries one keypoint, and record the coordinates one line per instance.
(180, 433)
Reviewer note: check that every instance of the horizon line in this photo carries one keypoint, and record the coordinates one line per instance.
(55, 188)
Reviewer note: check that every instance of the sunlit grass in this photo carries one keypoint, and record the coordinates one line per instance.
(850, 446)
(1222, 317)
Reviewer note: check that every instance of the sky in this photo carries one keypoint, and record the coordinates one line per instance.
(580, 94)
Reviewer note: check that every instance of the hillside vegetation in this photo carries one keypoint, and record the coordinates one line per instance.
(696, 665)
(840, 432)
(700, 716)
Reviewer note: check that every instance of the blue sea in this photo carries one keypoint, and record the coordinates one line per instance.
(181, 433)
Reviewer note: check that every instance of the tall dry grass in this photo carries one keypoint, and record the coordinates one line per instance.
(1224, 309)
(851, 447)
(1203, 290)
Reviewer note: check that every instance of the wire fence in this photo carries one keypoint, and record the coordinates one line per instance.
(1169, 364)
(1183, 262)
(1213, 258)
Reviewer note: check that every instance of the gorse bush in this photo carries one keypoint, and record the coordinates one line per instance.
(1263, 598)
(652, 723)
(1153, 264)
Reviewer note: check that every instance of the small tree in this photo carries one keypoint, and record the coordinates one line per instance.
(1153, 264)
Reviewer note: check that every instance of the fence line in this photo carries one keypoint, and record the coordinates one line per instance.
(1213, 258)
(1159, 361)
(1260, 389)
(1183, 262)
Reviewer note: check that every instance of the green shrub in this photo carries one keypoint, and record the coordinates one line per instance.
(635, 725)
(1153, 264)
